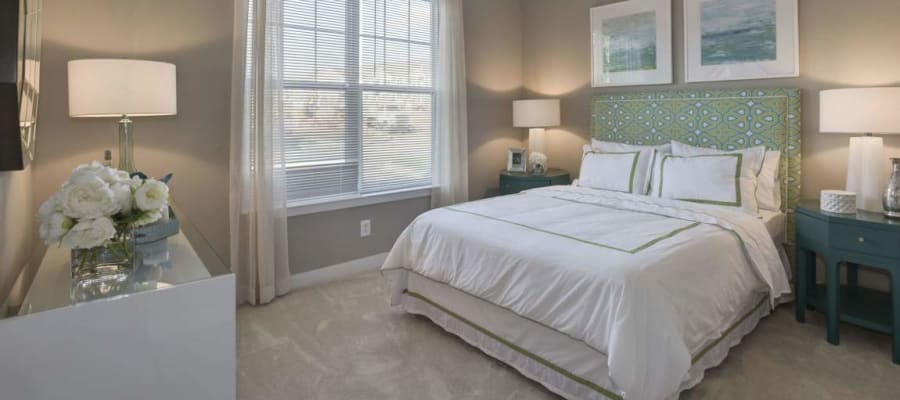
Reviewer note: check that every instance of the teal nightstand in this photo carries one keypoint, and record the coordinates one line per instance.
(515, 182)
(865, 238)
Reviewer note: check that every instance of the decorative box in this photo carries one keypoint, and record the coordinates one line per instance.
(158, 230)
(838, 202)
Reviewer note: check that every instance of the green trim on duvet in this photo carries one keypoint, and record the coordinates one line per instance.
(605, 246)
(560, 370)
(737, 179)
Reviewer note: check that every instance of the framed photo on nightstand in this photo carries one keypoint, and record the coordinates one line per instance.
(516, 160)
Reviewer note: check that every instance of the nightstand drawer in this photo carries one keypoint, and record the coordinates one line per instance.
(518, 186)
(866, 240)
(811, 232)
(515, 182)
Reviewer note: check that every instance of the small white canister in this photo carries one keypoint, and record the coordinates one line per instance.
(838, 202)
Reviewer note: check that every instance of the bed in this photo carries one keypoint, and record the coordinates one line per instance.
(597, 294)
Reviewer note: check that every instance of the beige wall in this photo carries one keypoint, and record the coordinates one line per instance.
(16, 227)
(842, 44)
(196, 36)
(494, 59)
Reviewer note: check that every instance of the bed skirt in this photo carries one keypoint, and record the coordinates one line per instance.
(565, 366)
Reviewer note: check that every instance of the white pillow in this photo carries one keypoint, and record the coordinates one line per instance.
(768, 190)
(642, 176)
(609, 171)
(654, 169)
(753, 156)
(710, 179)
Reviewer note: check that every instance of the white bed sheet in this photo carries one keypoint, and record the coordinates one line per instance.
(628, 275)
(776, 224)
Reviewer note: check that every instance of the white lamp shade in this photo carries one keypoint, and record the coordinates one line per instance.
(536, 113)
(863, 110)
(116, 87)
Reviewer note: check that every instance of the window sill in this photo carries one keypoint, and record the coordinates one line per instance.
(298, 208)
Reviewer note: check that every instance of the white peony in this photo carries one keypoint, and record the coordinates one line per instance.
(134, 182)
(51, 206)
(95, 169)
(88, 197)
(89, 233)
(94, 200)
(152, 195)
(123, 196)
(54, 227)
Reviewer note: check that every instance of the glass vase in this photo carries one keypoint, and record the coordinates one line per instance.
(113, 259)
(892, 192)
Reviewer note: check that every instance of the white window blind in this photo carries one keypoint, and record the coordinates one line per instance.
(358, 97)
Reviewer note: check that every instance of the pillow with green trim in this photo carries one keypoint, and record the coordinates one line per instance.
(645, 161)
(609, 171)
(753, 156)
(719, 179)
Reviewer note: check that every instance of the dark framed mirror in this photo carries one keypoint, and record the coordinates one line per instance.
(20, 64)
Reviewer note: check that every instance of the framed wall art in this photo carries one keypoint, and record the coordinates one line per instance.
(631, 43)
(740, 39)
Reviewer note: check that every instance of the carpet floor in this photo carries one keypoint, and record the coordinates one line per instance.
(342, 341)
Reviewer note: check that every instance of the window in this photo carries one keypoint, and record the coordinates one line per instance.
(358, 97)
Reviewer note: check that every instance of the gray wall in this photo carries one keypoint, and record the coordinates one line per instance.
(842, 44)
(196, 36)
(16, 227)
(329, 238)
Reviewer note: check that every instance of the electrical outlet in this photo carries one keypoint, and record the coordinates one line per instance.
(365, 228)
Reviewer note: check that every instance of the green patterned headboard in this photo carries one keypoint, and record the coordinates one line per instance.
(721, 119)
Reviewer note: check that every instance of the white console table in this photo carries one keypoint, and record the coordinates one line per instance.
(165, 332)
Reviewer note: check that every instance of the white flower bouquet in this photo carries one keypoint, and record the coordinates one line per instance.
(96, 210)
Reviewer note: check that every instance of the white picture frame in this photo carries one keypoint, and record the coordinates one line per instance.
(615, 58)
(710, 55)
(517, 160)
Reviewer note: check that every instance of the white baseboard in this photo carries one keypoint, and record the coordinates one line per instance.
(338, 271)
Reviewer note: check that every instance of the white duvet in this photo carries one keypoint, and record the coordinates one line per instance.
(647, 281)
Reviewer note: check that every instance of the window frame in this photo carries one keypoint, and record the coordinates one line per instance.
(353, 90)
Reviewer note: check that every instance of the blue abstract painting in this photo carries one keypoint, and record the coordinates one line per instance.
(629, 43)
(737, 31)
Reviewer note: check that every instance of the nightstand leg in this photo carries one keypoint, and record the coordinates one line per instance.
(811, 266)
(895, 310)
(833, 290)
(852, 275)
(801, 283)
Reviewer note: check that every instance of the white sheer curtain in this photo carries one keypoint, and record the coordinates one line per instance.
(451, 160)
(259, 255)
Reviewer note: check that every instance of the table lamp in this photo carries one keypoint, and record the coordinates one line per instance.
(863, 111)
(536, 115)
(122, 88)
